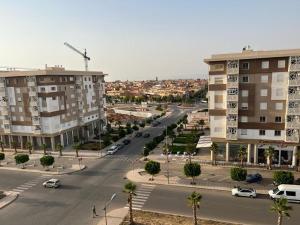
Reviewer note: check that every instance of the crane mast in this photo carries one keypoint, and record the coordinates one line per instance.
(83, 54)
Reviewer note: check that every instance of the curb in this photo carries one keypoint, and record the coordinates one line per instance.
(11, 198)
(263, 192)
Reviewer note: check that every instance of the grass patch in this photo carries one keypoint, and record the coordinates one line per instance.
(175, 148)
(150, 218)
(91, 146)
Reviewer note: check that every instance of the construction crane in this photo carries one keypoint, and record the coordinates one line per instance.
(85, 57)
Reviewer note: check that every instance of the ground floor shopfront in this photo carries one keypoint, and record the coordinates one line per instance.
(284, 154)
(65, 138)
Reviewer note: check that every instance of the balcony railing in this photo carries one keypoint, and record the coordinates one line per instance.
(231, 136)
(232, 123)
(294, 96)
(294, 111)
(232, 98)
(293, 124)
(232, 110)
(293, 138)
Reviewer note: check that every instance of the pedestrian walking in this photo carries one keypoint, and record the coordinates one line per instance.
(94, 211)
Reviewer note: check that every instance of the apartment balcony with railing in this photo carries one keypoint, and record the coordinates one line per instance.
(292, 135)
(231, 133)
(294, 63)
(294, 79)
(293, 108)
(294, 93)
(233, 67)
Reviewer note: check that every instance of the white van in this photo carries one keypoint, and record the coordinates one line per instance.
(289, 191)
(112, 149)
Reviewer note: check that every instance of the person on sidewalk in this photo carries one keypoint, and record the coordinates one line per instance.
(94, 212)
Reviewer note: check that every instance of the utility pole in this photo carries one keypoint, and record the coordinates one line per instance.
(167, 148)
(106, 205)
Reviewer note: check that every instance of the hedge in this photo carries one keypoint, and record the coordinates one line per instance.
(283, 177)
(238, 173)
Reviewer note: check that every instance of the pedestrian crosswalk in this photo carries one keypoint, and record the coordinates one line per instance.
(29, 184)
(142, 195)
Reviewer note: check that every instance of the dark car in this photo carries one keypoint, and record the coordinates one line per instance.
(139, 134)
(126, 141)
(252, 178)
(146, 135)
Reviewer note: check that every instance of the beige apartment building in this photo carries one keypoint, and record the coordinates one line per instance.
(254, 100)
(50, 106)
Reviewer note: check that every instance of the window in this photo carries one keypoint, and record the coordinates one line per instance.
(216, 67)
(279, 92)
(218, 129)
(264, 79)
(290, 193)
(245, 79)
(277, 119)
(264, 92)
(12, 109)
(89, 79)
(279, 106)
(277, 133)
(43, 89)
(86, 87)
(20, 109)
(21, 118)
(18, 90)
(14, 118)
(244, 119)
(265, 64)
(53, 98)
(262, 132)
(90, 86)
(85, 79)
(71, 78)
(262, 119)
(281, 63)
(244, 93)
(245, 66)
(243, 132)
(244, 105)
(280, 193)
(53, 88)
(280, 78)
(263, 106)
(19, 99)
(218, 80)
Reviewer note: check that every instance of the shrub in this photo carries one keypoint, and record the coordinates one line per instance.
(122, 133)
(135, 127)
(146, 152)
(192, 170)
(129, 130)
(149, 120)
(47, 160)
(142, 124)
(106, 140)
(21, 158)
(152, 168)
(2, 156)
(238, 174)
(283, 177)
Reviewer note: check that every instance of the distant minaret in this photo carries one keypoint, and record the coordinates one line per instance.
(156, 79)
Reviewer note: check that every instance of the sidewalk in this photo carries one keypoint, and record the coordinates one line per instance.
(140, 176)
(9, 198)
(114, 217)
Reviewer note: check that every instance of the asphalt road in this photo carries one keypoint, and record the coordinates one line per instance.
(72, 203)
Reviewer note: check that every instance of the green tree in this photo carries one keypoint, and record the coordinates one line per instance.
(192, 170)
(152, 168)
(59, 148)
(28, 146)
(15, 145)
(77, 147)
(214, 149)
(2, 146)
(130, 188)
(238, 174)
(190, 149)
(194, 200)
(281, 208)
(283, 177)
(242, 153)
(2, 157)
(44, 147)
(21, 159)
(47, 160)
(269, 154)
(119, 123)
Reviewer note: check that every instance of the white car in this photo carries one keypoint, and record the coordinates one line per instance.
(52, 183)
(243, 192)
(112, 149)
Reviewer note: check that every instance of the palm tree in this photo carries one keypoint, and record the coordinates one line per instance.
(44, 147)
(15, 145)
(281, 208)
(269, 154)
(190, 149)
(77, 147)
(242, 153)
(130, 189)
(28, 145)
(201, 123)
(214, 149)
(59, 148)
(2, 146)
(194, 201)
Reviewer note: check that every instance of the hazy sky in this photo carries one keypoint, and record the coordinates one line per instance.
(139, 39)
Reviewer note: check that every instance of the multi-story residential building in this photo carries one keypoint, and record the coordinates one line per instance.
(50, 106)
(254, 100)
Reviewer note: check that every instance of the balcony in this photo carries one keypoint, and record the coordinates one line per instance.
(293, 124)
(233, 98)
(230, 136)
(7, 130)
(294, 111)
(32, 93)
(232, 123)
(232, 110)
(31, 84)
(292, 136)
(233, 67)
(6, 121)
(295, 63)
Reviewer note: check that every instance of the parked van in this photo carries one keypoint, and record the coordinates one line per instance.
(289, 191)
(112, 149)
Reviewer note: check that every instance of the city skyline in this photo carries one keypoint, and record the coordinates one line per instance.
(136, 40)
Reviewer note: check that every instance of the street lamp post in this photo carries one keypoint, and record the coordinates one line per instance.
(168, 173)
(106, 205)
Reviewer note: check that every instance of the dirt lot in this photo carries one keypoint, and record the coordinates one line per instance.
(149, 218)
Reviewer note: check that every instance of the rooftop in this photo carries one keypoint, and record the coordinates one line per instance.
(251, 54)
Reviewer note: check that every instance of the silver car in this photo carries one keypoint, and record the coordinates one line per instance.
(52, 183)
(243, 192)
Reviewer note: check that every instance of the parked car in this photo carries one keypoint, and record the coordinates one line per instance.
(126, 141)
(112, 149)
(120, 145)
(289, 191)
(146, 135)
(138, 134)
(243, 192)
(52, 183)
(155, 123)
(252, 178)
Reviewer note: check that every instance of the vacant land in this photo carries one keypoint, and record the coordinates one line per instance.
(150, 218)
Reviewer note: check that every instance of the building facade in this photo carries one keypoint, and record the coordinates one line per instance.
(51, 106)
(254, 100)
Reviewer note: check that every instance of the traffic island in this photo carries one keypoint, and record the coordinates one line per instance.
(7, 197)
(153, 218)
